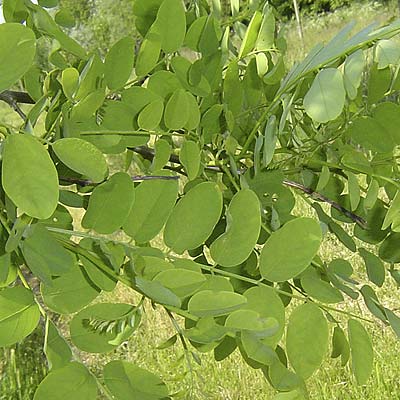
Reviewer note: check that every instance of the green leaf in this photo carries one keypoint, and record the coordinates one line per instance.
(354, 190)
(251, 35)
(352, 73)
(194, 112)
(193, 218)
(162, 152)
(374, 266)
(319, 289)
(182, 282)
(256, 349)
(267, 303)
(44, 256)
(70, 82)
(290, 249)
(362, 354)
(307, 339)
(69, 292)
(206, 331)
(209, 303)
(87, 106)
(189, 157)
(154, 200)
(157, 292)
(19, 315)
(86, 337)
(387, 52)
(249, 320)
(270, 138)
(389, 250)
(323, 178)
(64, 18)
(176, 113)
(110, 204)
(325, 100)
(150, 117)
(266, 35)
(171, 25)
(340, 345)
(100, 279)
(194, 32)
(392, 216)
(29, 176)
(73, 381)
(17, 51)
(128, 381)
(149, 54)
(58, 352)
(82, 157)
(243, 220)
(119, 61)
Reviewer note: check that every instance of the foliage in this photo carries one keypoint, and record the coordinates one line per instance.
(207, 103)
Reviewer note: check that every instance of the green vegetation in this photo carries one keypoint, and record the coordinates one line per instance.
(160, 343)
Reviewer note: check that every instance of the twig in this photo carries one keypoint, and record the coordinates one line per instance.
(318, 196)
(135, 178)
(11, 98)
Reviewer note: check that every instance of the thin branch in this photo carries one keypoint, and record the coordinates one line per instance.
(11, 99)
(318, 196)
(135, 178)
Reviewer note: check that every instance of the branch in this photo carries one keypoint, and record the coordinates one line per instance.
(135, 178)
(318, 196)
(11, 98)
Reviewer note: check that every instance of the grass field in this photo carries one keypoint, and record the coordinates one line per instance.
(22, 367)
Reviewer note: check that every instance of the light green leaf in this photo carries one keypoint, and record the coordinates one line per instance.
(374, 266)
(44, 256)
(70, 82)
(387, 52)
(150, 117)
(243, 220)
(194, 112)
(162, 152)
(183, 282)
(149, 54)
(321, 290)
(19, 315)
(267, 303)
(154, 200)
(325, 100)
(266, 35)
(110, 204)
(29, 176)
(69, 292)
(127, 381)
(362, 355)
(307, 339)
(171, 25)
(290, 249)
(65, 18)
(193, 218)
(354, 190)
(86, 337)
(194, 32)
(58, 352)
(17, 51)
(82, 157)
(340, 345)
(86, 107)
(189, 157)
(176, 114)
(323, 178)
(270, 138)
(352, 73)
(119, 61)
(209, 303)
(73, 381)
(157, 292)
(251, 36)
(392, 216)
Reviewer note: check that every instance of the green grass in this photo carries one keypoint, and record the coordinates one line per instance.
(23, 366)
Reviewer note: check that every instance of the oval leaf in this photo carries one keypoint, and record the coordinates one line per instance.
(177, 111)
(193, 218)
(362, 355)
(307, 339)
(73, 381)
(189, 157)
(82, 157)
(29, 176)
(243, 220)
(325, 100)
(209, 303)
(289, 250)
(109, 204)
(17, 51)
(19, 315)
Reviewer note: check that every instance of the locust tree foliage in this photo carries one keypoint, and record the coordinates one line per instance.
(218, 139)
